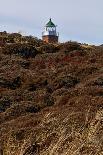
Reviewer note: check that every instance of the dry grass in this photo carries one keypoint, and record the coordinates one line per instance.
(56, 105)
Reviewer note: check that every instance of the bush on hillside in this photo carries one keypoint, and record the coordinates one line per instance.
(49, 48)
(33, 109)
(4, 104)
(66, 81)
(99, 81)
(32, 149)
(24, 64)
(15, 83)
(69, 46)
(48, 100)
(24, 50)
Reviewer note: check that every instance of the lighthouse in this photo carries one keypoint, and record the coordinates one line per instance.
(49, 34)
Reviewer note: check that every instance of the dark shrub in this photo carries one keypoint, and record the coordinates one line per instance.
(33, 109)
(4, 104)
(4, 82)
(25, 64)
(48, 100)
(1, 152)
(49, 48)
(24, 50)
(99, 82)
(86, 71)
(40, 84)
(32, 150)
(49, 89)
(19, 135)
(93, 60)
(67, 82)
(32, 87)
(69, 46)
(100, 93)
(43, 83)
(16, 83)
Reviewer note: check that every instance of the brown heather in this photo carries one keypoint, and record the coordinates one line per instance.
(51, 98)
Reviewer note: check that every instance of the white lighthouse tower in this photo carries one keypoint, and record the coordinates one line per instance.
(49, 34)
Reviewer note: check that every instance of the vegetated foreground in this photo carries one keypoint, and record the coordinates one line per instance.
(51, 99)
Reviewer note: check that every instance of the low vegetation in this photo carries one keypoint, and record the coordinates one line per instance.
(51, 97)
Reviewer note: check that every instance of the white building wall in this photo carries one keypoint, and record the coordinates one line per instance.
(45, 33)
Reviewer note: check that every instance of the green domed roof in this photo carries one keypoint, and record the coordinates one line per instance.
(50, 24)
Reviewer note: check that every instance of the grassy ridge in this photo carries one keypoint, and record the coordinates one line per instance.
(51, 98)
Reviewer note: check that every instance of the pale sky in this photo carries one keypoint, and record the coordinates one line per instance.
(77, 20)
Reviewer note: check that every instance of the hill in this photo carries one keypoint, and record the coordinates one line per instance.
(51, 98)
